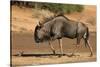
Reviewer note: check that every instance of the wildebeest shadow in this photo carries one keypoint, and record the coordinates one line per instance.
(43, 55)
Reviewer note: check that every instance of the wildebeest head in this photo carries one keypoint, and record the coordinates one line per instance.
(40, 33)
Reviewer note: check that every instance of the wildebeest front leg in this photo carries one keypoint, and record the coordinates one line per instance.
(60, 44)
(52, 48)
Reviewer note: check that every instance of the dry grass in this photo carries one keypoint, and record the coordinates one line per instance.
(92, 21)
(37, 13)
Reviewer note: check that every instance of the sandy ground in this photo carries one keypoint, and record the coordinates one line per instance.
(28, 61)
(34, 55)
(22, 27)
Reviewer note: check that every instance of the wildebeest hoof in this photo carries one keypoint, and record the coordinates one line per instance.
(72, 54)
(91, 55)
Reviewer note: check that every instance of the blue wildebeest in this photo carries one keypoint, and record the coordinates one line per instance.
(59, 27)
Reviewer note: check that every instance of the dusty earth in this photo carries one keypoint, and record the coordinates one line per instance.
(42, 54)
(22, 40)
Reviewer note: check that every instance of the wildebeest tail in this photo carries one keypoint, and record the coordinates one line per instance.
(86, 36)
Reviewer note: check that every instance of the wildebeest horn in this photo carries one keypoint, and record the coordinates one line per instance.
(39, 24)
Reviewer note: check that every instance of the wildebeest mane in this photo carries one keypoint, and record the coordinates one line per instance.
(52, 17)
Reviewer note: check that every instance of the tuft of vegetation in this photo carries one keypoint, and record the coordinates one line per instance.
(53, 7)
(62, 8)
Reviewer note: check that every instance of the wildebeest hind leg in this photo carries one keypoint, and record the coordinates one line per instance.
(77, 46)
(90, 48)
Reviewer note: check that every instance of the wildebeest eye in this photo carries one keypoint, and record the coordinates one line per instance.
(38, 27)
